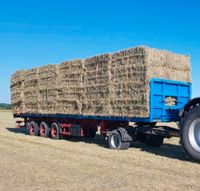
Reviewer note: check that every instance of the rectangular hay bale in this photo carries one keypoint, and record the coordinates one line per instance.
(69, 81)
(96, 85)
(47, 89)
(17, 95)
(128, 83)
(31, 91)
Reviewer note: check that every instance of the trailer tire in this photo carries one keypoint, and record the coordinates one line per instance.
(27, 127)
(44, 129)
(190, 133)
(115, 141)
(33, 128)
(55, 131)
(154, 140)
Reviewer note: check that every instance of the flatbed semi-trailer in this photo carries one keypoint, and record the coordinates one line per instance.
(170, 101)
(108, 91)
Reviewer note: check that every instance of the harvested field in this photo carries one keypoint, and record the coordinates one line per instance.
(34, 163)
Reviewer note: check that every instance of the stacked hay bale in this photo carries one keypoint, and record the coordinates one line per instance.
(105, 85)
(47, 89)
(17, 96)
(96, 99)
(131, 72)
(167, 65)
(31, 91)
(70, 87)
(129, 86)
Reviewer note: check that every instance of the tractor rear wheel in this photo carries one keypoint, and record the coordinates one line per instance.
(190, 133)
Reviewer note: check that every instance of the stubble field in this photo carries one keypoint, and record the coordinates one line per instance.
(34, 163)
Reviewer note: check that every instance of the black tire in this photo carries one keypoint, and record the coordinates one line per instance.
(33, 128)
(44, 129)
(190, 133)
(55, 131)
(154, 140)
(115, 141)
(27, 127)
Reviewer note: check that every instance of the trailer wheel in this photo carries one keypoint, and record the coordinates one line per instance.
(115, 141)
(190, 133)
(27, 127)
(44, 130)
(33, 128)
(154, 140)
(55, 131)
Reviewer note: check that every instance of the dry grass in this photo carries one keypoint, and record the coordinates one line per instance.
(34, 163)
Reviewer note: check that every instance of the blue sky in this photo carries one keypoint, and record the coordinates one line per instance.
(39, 32)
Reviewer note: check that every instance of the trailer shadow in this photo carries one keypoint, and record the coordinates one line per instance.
(21, 130)
(98, 140)
(166, 150)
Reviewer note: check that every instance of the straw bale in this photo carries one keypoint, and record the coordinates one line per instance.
(31, 91)
(47, 89)
(70, 87)
(17, 95)
(96, 91)
(167, 65)
(128, 83)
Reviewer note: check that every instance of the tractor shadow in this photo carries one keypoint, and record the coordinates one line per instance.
(166, 150)
(171, 151)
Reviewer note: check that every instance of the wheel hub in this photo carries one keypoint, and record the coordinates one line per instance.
(115, 141)
(54, 132)
(42, 130)
(31, 129)
(194, 134)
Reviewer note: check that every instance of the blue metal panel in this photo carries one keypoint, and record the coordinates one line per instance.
(159, 111)
(160, 89)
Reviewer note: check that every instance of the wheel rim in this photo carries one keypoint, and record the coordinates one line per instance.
(115, 141)
(42, 130)
(53, 132)
(194, 134)
(31, 129)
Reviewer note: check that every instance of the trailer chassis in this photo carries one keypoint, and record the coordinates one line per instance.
(118, 133)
